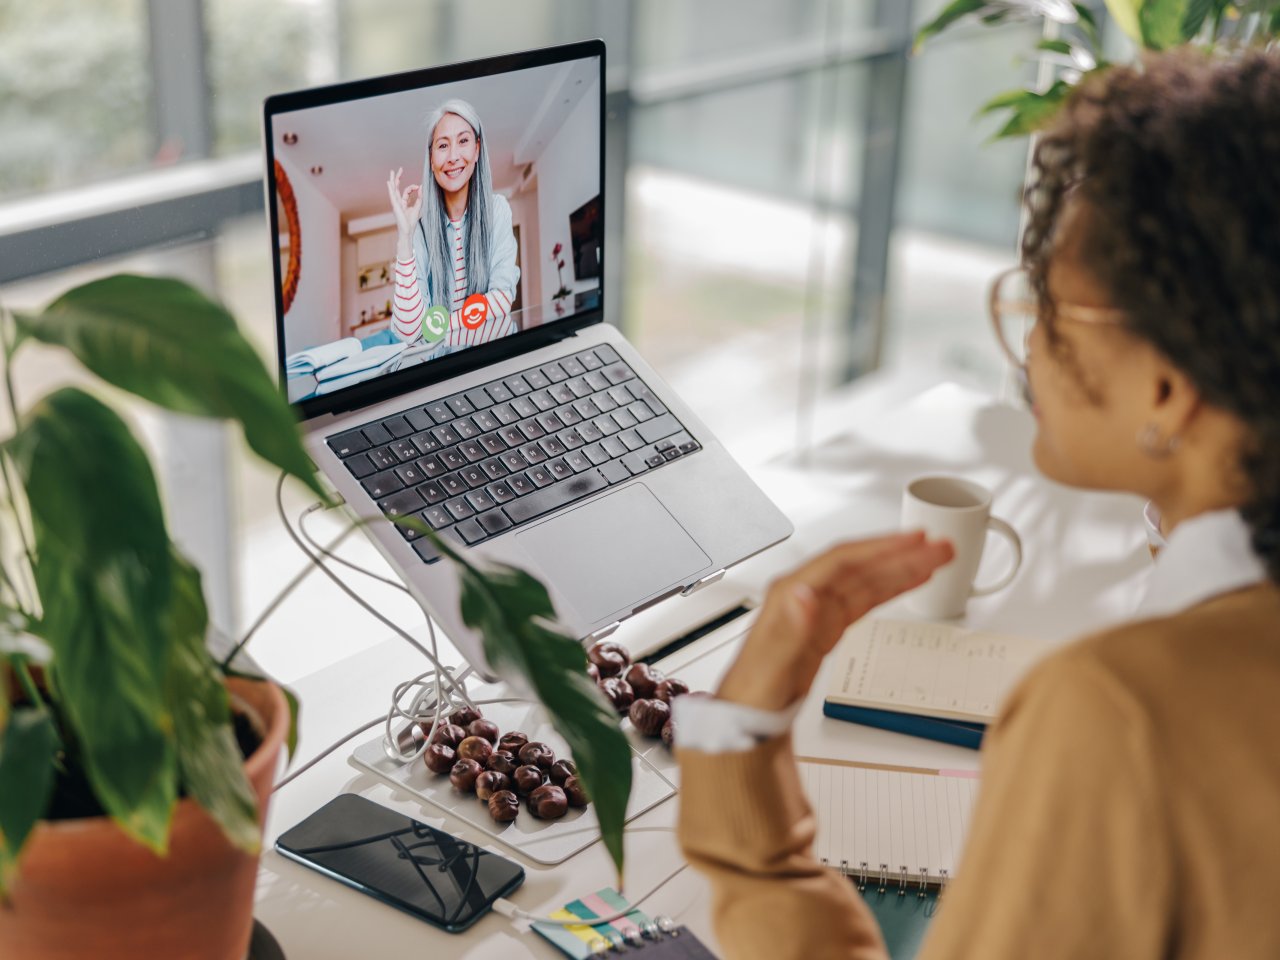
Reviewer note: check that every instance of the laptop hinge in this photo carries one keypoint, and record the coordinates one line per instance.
(600, 634)
(704, 582)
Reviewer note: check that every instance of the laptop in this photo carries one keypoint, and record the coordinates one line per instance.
(440, 317)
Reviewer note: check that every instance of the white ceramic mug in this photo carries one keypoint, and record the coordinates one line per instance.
(960, 511)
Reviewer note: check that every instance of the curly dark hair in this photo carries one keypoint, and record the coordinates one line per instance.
(1180, 161)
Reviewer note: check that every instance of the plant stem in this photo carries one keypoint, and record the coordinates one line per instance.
(6, 341)
(25, 680)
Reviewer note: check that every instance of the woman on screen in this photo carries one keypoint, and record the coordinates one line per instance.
(456, 270)
(1131, 781)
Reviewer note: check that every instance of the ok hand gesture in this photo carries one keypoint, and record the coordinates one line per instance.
(406, 205)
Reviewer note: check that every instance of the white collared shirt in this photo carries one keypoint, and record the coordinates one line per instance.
(1206, 556)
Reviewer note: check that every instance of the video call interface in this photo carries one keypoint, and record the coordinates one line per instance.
(418, 224)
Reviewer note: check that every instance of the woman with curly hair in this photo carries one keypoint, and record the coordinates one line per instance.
(1131, 784)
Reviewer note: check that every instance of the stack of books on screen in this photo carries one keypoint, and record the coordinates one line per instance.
(333, 366)
(931, 680)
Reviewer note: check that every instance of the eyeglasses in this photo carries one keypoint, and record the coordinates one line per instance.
(1015, 310)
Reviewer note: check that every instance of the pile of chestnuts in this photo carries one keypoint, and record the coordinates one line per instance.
(501, 769)
(635, 689)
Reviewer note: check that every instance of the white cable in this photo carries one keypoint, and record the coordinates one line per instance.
(509, 909)
(328, 551)
(284, 781)
(441, 695)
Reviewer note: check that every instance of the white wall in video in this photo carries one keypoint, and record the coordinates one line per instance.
(401, 252)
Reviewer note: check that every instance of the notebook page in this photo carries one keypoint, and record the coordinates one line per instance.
(929, 668)
(899, 818)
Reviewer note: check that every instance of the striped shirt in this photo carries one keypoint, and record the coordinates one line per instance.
(409, 307)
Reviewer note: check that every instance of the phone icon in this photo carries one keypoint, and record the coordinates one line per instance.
(435, 324)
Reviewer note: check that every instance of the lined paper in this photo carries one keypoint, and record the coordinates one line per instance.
(897, 817)
(929, 668)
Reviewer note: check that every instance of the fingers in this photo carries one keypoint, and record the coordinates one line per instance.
(850, 579)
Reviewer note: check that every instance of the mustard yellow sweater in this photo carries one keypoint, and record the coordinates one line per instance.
(1129, 808)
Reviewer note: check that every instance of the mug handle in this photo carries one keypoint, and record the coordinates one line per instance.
(999, 526)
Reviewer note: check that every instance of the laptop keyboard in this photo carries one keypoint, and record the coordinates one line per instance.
(485, 461)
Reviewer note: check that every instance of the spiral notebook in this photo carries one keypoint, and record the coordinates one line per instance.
(896, 832)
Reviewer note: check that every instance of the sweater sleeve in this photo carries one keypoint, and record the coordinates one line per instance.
(1069, 853)
(746, 825)
(407, 306)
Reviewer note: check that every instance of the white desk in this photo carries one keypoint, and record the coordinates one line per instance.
(1085, 563)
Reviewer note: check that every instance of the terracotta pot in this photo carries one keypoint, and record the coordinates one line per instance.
(85, 889)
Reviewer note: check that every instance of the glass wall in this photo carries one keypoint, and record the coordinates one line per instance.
(764, 160)
(74, 93)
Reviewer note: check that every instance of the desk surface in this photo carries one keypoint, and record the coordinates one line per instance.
(1085, 564)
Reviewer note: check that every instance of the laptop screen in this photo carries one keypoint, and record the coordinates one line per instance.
(431, 220)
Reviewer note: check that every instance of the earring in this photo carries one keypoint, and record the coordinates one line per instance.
(1149, 442)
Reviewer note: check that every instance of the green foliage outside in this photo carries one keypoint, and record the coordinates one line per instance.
(1150, 25)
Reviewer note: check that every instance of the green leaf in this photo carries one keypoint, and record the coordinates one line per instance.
(1088, 22)
(209, 760)
(103, 573)
(1055, 46)
(27, 749)
(954, 11)
(1010, 98)
(165, 341)
(1035, 111)
(1161, 22)
(1197, 12)
(1126, 15)
(512, 612)
(1274, 26)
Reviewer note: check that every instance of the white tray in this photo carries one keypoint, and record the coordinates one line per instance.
(542, 841)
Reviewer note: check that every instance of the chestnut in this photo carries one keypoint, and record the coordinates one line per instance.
(669, 733)
(483, 728)
(538, 754)
(647, 716)
(548, 802)
(643, 679)
(464, 715)
(593, 672)
(475, 748)
(561, 771)
(670, 688)
(527, 779)
(504, 806)
(512, 741)
(610, 659)
(450, 734)
(439, 758)
(491, 782)
(503, 761)
(463, 775)
(575, 793)
(618, 692)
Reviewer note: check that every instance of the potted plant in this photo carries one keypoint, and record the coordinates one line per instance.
(1076, 49)
(132, 792)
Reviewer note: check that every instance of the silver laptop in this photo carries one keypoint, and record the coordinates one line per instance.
(440, 329)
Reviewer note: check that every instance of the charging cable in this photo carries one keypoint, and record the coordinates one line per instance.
(440, 692)
(510, 910)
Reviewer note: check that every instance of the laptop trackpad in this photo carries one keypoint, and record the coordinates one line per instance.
(614, 553)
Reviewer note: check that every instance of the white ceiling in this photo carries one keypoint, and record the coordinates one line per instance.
(359, 142)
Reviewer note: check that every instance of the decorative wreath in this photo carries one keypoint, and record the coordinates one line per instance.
(284, 190)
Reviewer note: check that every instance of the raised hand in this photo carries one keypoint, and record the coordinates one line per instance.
(406, 205)
(807, 611)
